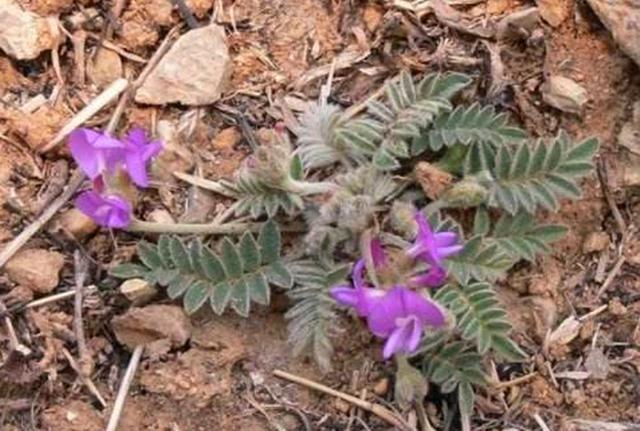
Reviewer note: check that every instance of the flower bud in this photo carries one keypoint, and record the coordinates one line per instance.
(402, 217)
(270, 164)
(411, 386)
(465, 194)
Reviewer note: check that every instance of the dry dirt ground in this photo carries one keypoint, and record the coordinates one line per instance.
(222, 379)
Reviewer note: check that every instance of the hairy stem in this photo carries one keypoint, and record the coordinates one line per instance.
(203, 228)
(309, 188)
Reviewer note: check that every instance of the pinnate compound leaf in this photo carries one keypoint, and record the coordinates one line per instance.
(479, 315)
(467, 126)
(312, 316)
(238, 275)
(534, 175)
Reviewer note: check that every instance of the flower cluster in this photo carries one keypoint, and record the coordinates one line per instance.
(107, 161)
(398, 312)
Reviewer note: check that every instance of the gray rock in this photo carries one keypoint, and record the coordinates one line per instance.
(193, 72)
(23, 34)
(622, 18)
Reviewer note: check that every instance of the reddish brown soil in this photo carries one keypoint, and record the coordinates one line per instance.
(222, 380)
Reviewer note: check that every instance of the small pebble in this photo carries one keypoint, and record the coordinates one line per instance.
(595, 241)
(381, 387)
(138, 291)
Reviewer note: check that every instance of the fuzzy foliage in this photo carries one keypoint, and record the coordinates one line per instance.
(480, 317)
(534, 175)
(454, 365)
(384, 134)
(313, 315)
(238, 275)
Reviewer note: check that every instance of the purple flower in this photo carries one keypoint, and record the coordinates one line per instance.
(95, 152)
(360, 296)
(106, 210)
(137, 153)
(400, 317)
(433, 247)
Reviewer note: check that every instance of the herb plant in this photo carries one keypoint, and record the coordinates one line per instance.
(418, 264)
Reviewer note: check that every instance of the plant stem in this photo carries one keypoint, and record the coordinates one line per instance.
(310, 188)
(204, 228)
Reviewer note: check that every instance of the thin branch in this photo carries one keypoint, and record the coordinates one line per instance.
(99, 102)
(378, 410)
(81, 265)
(121, 397)
(10, 249)
(85, 379)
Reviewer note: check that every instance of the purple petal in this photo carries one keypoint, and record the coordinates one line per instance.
(369, 298)
(139, 151)
(152, 150)
(444, 252)
(137, 137)
(445, 239)
(396, 341)
(435, 277)
(357, 274)
(137, 169)
(377, 253)
(424, 309)
(106, 210)
(383, 315)
(345, 295)
(95, 152)
(405, 338)
(423, 225)
(415, 335)
(83, 152)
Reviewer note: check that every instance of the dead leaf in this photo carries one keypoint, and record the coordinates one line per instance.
(597, 364)
(461, 22)
(565, 333)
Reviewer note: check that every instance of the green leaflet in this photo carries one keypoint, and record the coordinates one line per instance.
(466, 126)
(479, 316)
(454, 363)
(535, 175)
(518, 236)
(256, 198)
(237, 276)
(385, 134)
(313, 312)
(479, 261)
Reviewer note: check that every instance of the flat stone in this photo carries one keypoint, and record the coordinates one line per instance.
(36, 269)
(193, 72)
(23, 34)
(622, 18)
(154, 324)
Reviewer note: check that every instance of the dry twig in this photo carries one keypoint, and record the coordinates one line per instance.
(85, 379)
(378, 410)
(99, 102)
(81, 265)
(124, 389)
